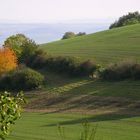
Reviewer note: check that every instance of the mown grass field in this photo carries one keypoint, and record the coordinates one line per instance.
(44, 126)
(103, 47)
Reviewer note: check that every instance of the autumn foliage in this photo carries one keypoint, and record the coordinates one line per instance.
(8, 60)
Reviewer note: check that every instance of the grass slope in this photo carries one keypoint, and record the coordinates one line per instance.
(103, 47)
(43, 126)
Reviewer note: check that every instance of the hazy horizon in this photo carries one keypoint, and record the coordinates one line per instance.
(44, 33)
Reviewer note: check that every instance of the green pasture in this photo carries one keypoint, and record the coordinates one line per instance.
(44, 126)
(103, 47)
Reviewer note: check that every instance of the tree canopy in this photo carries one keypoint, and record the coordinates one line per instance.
(68, 35)
(8, 60)
(129, 19)
(21, 45)
(15, 42)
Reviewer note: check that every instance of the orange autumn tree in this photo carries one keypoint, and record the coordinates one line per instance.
(8, 60)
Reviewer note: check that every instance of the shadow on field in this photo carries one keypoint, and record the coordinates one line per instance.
(88, 94)
(97, 118)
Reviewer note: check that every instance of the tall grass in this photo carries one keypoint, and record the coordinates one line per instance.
(88, 132)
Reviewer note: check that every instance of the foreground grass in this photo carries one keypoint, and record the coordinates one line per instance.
(103, 47)
(43, 126)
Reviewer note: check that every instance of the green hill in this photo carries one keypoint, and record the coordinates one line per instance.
(103, 47)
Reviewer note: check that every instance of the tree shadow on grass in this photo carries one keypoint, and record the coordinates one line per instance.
(97, 118)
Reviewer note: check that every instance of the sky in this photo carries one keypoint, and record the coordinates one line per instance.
(54, 11)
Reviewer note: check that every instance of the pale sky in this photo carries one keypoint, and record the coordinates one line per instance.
(48, 11)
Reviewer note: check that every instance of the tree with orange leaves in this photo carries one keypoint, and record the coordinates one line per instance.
(8, 60)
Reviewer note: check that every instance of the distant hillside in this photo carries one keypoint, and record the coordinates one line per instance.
(103, 47)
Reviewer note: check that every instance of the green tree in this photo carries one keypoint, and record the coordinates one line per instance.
(28, 49)
(23, 46)
(15, 42)
(129, 19)
(10, 111)
(68, 35)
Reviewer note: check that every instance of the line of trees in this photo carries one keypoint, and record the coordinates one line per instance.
(129, 19)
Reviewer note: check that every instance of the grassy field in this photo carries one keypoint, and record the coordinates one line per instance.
(103, 47)
(43, 126)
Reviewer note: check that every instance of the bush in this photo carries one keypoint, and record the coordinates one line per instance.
(65, 65)
(88, 68)
(10, 111)
(37, 59)
(21, 79)
(136, 72)
(121, 71)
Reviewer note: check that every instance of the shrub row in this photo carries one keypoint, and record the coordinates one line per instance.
(21, 79)
(127, 69)
(68, 65)
(121, 71)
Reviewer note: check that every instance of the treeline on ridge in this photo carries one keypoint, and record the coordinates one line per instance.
(129, 19)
